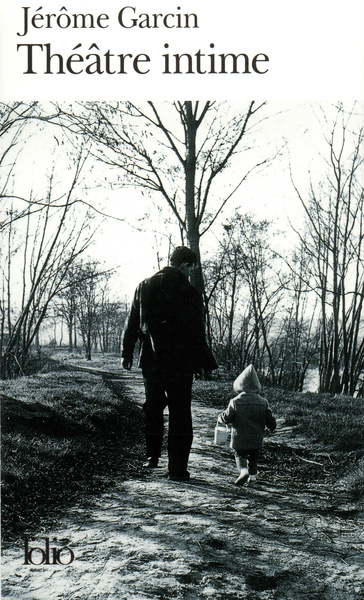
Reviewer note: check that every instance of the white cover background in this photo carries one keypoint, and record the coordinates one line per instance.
(316, 50)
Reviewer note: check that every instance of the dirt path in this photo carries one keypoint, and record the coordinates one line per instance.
(155, 539)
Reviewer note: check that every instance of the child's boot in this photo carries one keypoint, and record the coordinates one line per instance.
(242, 465)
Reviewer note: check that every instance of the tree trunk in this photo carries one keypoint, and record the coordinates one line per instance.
(70, 335)
(192, 225)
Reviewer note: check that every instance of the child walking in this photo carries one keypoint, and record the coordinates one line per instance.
(249, 414)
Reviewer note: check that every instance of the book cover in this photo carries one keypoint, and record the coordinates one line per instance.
(235, 130)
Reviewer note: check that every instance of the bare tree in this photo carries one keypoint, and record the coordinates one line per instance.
(333, 244)
(42, 252)
(88, 305)
(15, 118)
(111, 318)
(83, 303)
(65, 305)
(296, 345)
(243, 294)
(177, 150)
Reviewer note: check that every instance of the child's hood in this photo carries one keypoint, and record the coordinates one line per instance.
(247, 382)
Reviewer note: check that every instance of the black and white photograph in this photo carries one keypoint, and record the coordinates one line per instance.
(181, 303)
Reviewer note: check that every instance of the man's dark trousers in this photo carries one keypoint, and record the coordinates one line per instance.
(173, 389)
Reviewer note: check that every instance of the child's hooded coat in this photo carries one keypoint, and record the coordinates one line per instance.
(248, 413)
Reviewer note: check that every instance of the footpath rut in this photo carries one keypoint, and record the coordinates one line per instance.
(151, 538)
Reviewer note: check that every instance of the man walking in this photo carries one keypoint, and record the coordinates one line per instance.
(166, 317)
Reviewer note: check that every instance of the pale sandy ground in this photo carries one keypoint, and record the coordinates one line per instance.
(150, 538)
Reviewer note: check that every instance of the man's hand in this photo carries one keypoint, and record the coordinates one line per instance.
(127, 364)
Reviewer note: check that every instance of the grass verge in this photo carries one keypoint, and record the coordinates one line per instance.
(65, 434)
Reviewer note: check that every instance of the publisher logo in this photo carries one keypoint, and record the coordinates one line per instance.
(47, 555)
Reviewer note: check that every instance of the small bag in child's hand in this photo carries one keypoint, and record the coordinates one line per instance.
(221, 434)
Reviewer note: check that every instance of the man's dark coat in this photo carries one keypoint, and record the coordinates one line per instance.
(166, 316)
